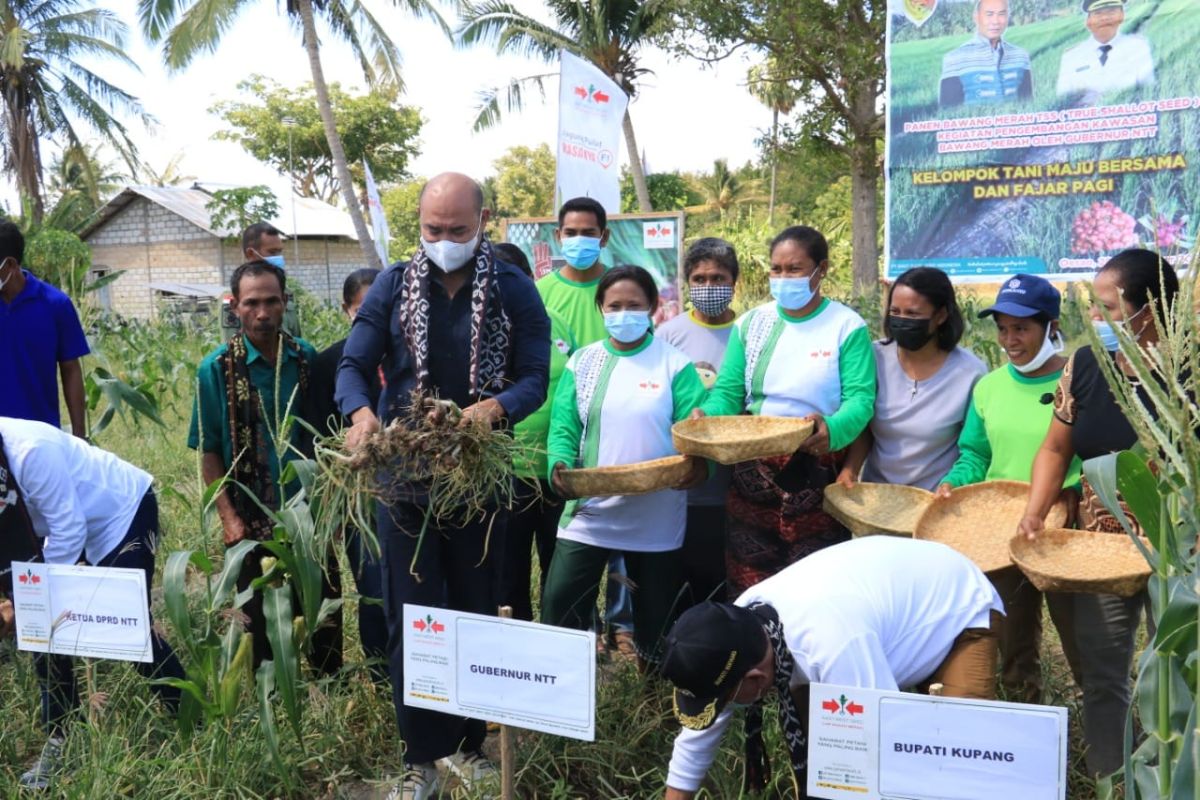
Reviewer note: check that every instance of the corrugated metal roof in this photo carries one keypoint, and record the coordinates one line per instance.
(313, 217)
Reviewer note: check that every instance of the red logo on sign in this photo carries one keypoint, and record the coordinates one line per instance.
(842, 706)
(429, 623)
(658, 230)
(590, 93)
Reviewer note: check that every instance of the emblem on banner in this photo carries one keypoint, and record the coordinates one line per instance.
(919, 11)
(605, 157)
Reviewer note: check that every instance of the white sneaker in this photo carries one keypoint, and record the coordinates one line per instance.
(46, 767)
(475, 771)
(420, 782)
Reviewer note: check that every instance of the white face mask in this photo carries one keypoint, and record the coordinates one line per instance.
(449, 255)
(1052, 345)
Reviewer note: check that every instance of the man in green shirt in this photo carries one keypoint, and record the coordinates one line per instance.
(238, 439)
(570, 292)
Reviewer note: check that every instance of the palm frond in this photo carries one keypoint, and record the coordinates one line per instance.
(499, 22)
(488, 112)
(199, 30)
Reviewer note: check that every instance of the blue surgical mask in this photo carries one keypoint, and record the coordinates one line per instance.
(274, 261)
(792, 293)
(1107, 334)
(627, 326)
(581, 252)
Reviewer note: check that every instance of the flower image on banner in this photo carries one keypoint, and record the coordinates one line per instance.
(590, 111)
(1034, 138)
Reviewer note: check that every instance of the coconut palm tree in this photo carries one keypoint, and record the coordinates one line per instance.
(48, 91)
(170, 175)
(188, 28)
(722, 189)
(78, 182)
(774, 91)
(607, 33)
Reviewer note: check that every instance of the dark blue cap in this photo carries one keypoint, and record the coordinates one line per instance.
(1025, 296)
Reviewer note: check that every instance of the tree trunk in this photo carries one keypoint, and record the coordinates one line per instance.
(774, 163)
(331, 135)
(635, 166)
(23, 146)
(864, 188)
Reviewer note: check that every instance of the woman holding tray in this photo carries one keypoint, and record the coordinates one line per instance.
(1008, 416)
(924, 386)
(802, 355)
(615, 404)
(1088, 423)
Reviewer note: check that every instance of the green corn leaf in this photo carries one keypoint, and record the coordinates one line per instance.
(277, 608)
(1177, 623)
(237, 676)
(265, 683)
(1101, 473)
(227, 581)
(175, 599)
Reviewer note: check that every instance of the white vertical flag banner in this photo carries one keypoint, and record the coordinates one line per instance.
(379, 225)
(591, 108)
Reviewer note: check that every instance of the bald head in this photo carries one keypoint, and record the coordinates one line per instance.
(451, 207)
(453, 185)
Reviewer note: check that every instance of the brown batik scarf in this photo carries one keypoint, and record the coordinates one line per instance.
(251, 449)
(758, 766)
(490, 325)
(18, 541)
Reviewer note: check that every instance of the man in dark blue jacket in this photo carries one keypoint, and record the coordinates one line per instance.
(461, 324)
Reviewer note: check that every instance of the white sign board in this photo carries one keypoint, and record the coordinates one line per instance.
(870, 744)
(502, 670)
(98, 612)
(591, 109)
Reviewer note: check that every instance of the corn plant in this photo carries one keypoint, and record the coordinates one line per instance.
(1160, 483)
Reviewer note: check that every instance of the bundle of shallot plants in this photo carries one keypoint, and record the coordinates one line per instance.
(458, 471)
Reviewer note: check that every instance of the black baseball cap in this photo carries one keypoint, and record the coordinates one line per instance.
(708, 652)
(1026, 296)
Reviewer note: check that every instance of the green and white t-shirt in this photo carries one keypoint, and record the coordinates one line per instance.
(784, 366)
(576, 304)
(1007, 419)
(531, 432)
(617, 407)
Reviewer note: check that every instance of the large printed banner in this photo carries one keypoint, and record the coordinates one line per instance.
(653, 241)
(591, 109)
(1039, 136)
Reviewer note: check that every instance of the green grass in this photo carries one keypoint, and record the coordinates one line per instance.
(130, 748)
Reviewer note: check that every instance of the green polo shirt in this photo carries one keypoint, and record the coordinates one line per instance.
(209, 430)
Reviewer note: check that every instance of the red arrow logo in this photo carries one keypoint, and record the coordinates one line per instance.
(652, 231)
(36, 579)
(23, 578)
(599, 96)
(830, 706)
(419, 624)
(666, 231)
(853, 708)
(437, 627)
(582, 92)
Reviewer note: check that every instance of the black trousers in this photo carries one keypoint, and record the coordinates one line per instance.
(704, 555)
(454, 569)
(533, 524)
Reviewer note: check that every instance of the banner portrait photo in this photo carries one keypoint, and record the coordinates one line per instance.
(1040, 136)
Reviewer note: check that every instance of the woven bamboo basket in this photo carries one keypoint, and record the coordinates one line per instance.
(731, 440)
(871, 508)
(642, 477)
(1061, 560)
(979, 520)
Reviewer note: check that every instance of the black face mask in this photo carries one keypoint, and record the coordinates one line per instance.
(909, 333)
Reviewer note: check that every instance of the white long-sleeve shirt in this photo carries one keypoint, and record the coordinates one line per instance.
(1127, 63)
(878, 612)
(81, 499)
